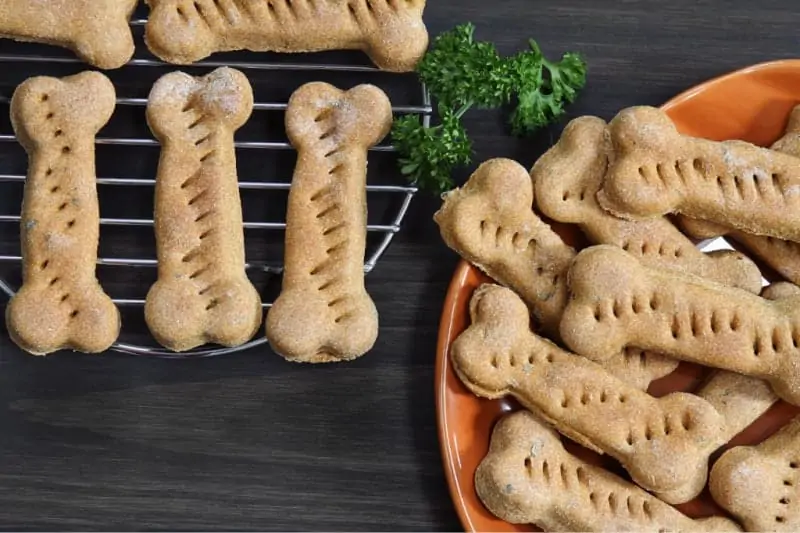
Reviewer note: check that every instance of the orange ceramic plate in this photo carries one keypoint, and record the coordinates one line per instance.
(752, 104)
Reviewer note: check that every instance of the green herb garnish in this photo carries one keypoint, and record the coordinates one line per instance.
(461, 74)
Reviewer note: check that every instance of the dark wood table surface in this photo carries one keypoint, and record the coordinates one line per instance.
(250, 442)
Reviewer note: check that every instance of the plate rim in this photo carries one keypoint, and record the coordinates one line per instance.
(464, 269)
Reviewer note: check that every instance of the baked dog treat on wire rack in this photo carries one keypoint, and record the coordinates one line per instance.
(97, 31)
(61, 304)
(324, 313)
(391, 32)
(202, 294)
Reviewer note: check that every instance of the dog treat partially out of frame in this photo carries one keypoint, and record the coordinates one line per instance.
(391, 32)
(61, 304)
(617, 302)
(324, 313)
(781, 255)
(663, 443)
(202, 294)
(98, 31)
(656, 171)
(567, 179)
(758, 484)
(490, 223)
(529, 478)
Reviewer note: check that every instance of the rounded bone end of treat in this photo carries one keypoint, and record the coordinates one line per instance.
(303, 328)
(34, 324)
(226, 95)
(84, 101)
(780, 290)
(95, 321)
(502, 480)
(571, 169)
(236, 317)
(641, 128)
(175, 315)
(506, 183)
(399, 41)
(715, 524)
(175, 39)
(594, 279)
(373, 114)
(737, 483)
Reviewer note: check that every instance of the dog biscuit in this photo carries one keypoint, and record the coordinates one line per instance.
(490, 222)
(781, 255)
(567, 179)
(202, 294)
(656, 171)
(97, 31)
(528, 477)
(61, 304)
(616, 302)
(663, 443)
(391, 32)
(324, 313)
(759, 484)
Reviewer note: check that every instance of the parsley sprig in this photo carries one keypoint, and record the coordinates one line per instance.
(463, 74)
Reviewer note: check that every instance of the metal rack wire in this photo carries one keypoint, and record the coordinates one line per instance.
(386, 231)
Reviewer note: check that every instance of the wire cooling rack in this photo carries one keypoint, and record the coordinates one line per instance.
(127, 161)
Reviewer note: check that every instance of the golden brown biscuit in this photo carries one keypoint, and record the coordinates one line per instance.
(759, 484)
(567, 179)
(528, 477)
(615, 301)
(61, 304)
(202, 294)
(783, 256)
(663, 443)
(97, 30)
(391, 32)
(490, 223)
(657, 170)
(324, 313)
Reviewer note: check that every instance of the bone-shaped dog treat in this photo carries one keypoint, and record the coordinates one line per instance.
(391, 32)
(663, 443)
(528, 477)
(324, 313)
(202, 294)
(657, 171)
(490, 223)
(759, 484)
(782, 255)
(97, 31)
(61, 304)
(567, 179)
(616, 302)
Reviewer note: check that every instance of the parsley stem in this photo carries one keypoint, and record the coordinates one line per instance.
(464, 108)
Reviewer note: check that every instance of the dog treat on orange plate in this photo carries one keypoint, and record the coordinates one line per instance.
(202, 294)
(782, 255)
(656, 171)
(98, 31)
(615, 301)
(391, 32)
(61, 304)
(663, 443)
(324, 313)
(567, 179)
(758, 484)
(490, 223)
(529, 478)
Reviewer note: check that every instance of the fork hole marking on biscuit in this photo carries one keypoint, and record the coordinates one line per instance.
(74, 313)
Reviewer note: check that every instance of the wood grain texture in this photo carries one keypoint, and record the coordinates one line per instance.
(250, 442)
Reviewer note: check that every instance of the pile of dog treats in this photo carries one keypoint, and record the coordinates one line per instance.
(576, 336)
